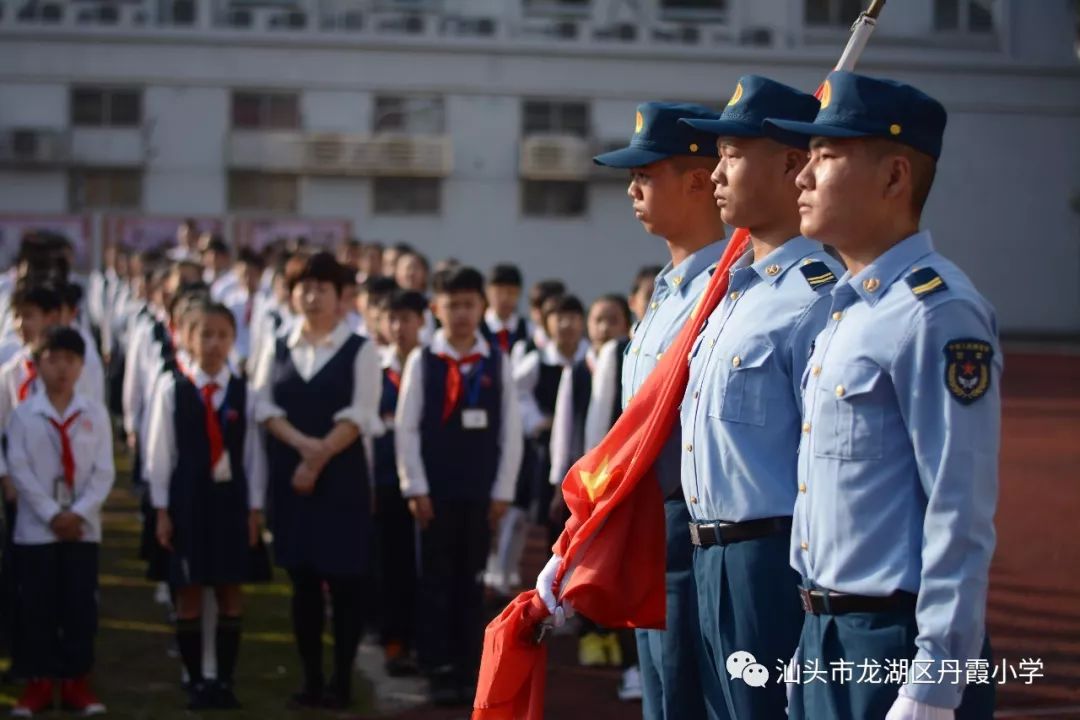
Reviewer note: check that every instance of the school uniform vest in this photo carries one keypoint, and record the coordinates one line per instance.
(546, 391)
(161, 336)
(327, 532)
(210, 518)
(385, 460)
(461, 464)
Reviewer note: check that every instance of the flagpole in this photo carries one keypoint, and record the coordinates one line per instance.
(861, 31)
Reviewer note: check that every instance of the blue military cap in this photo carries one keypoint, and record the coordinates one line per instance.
(854, 106)
(755, 99)
(658, 136)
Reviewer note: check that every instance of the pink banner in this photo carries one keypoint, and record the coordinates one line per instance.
(258, 233)
(140, 233)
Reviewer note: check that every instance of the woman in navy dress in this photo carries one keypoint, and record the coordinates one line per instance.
(317, 391)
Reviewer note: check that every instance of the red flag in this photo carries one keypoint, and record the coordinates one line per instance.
(618, 574)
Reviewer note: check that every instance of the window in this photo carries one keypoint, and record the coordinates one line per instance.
(105, 189)
(407, 196)
(105, 107)
(553, 199)
(971, 16)
(263, 191)
(688, 9)
(832, 13)
(567, 118)
(557, 7)
(415, 115)
(265, 111)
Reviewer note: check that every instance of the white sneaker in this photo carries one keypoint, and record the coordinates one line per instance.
(630, 686)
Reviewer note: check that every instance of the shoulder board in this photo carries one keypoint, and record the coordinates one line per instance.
(925, 282)
(817, 274)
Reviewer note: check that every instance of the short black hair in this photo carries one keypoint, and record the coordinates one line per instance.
(250, 257)
(71, 295)
(506, 274)
(416, 254)
(401, 248)
(459, 279)
(44, 297)
(214, 308)
(216, 244)
(620, 302)
(57, 338)
(378, 286)
(646, 273)
(322, 267)
(544, 289)
(569, 304)
(404, 300)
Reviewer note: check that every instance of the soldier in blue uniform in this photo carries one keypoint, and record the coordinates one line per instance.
(669, 165)
(898, 463)
(742, 409)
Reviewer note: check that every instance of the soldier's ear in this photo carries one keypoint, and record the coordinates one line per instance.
(897, 169)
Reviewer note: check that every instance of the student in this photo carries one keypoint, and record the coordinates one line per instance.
(642, 291)
(317, 395)
(411, 271)
(60, 457)
(92, 381)
(373, 293)
(244, 300)
(539, 293)
(402, 316)
(350, 296)
(608, 320)
(349, 252)
(458, 440)
(204, 469)
(217, 263)
(502, 324)
(370, 261)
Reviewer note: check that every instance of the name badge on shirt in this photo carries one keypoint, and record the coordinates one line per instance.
(223, 470)
(474, 419)
(63, 494)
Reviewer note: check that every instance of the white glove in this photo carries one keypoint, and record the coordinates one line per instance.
(544, 587)
(907, 709)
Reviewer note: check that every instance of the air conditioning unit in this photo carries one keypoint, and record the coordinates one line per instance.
(400, 155)
(32, 147)
(555, 157)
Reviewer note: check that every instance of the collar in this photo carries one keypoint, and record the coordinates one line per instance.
(337, 336)
(440, 346)
(40, 405)
(773, 266)
(388, 359)
(200, 378)
(679, 277)
(878, 276)
(550, 354)
(495, 323)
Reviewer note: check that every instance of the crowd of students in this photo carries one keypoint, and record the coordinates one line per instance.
(383, 431)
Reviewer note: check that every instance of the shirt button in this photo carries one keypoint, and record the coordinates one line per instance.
(635, 351)
(693, 500)
(839, 391)
(654, 305)
(659, 355)
(689, 447)
(806, 427)
(805, 546)
(736, 361)
(735, 295)
(816, 370)
(802, 487)
(837, 315)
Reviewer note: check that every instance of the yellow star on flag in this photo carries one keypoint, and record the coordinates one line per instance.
(597, 481)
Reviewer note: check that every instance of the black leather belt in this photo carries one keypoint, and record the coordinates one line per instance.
(721, 533)
(828, 602)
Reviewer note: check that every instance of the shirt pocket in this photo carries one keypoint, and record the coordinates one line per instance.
(745, 388)
(850, 417)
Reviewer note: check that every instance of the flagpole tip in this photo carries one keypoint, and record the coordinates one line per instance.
(875, 8)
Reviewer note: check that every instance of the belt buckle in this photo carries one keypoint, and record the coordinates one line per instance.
(695, 535)
(807, 603)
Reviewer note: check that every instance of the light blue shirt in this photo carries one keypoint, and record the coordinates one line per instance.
(898, 464)
(743, 405)
(676, 293)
